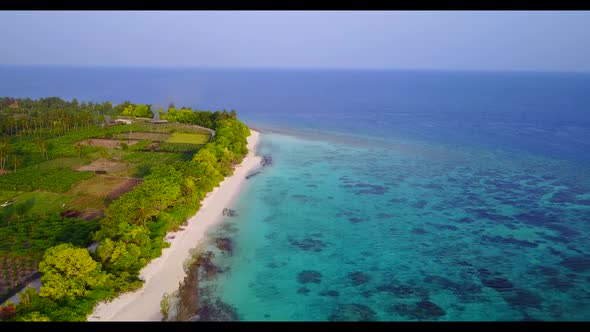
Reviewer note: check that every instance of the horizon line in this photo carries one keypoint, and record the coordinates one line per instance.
(586, 71)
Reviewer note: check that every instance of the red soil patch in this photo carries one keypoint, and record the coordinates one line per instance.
(92, 214)
(124, 187)
(70, 213)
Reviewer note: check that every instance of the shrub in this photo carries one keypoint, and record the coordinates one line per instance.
(7, 311)
(33, 178)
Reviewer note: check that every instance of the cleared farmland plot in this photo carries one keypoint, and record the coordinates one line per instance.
(32, 178)
(99, 186)
(179, 147)
(111, 167)
(189, 138)
(156, 137)
(108, 143)
(35, 203)
(144, 161)
(155, 158)
(65, 162)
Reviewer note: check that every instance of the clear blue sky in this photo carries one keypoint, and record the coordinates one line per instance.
(464, 40)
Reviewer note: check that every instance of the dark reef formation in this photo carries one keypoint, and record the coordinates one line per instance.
(309, 276)
(352, 313)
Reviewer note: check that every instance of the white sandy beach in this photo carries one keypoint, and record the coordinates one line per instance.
(165, 273)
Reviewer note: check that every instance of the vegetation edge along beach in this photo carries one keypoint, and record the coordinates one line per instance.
(191, 178)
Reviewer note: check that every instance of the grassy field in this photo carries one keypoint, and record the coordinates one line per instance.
(36, 203)
(99, 186)
(114, 168)
(42, 203)
(88, 194)
(179, 147)
(188, 138)
(49, 179)
(7, 194)
(143, 135)
(65, 162)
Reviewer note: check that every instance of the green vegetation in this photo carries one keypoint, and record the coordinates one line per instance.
(32, 178)
(165, 305)
(178, 147)
(55, 138)
(152, 136)
(69, 272)
(189, 138)
(205, 119)
(147, 160)
(31, 237)
(66, 162)
(37, 204)
(48, 116)
(23, 242)
(138, 111)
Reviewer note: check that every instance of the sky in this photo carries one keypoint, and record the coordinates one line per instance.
(443, 40)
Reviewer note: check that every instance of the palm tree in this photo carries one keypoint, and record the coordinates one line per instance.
(189, 186)
(16, 161)
(42, 144)
(143, 212)
(78, 148)
(4, 151)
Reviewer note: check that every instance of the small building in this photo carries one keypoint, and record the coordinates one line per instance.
(143, 119)
(124, 121)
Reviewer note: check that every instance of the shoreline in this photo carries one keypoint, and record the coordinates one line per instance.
(164, 274)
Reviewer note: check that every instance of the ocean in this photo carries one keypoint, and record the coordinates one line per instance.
(393, 195)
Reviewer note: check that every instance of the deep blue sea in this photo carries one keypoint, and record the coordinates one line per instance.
(394, 195)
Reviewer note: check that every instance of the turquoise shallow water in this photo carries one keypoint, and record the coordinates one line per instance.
(343, 228)
(363, 230)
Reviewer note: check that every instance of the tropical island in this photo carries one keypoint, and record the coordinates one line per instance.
(90, 192)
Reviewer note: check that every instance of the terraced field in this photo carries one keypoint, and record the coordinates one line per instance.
(197, 138)
(156, 137)
(77, 181)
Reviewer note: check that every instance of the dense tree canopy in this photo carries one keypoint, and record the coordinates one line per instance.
(69, 272)
(133, 228)
(138, 111)
(206, 119)
(27, 116)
